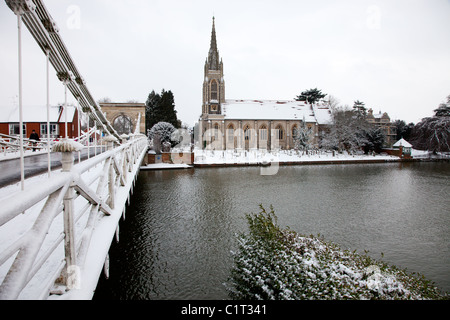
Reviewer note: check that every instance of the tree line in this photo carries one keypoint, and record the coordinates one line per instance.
(350, 130)
(433, 133)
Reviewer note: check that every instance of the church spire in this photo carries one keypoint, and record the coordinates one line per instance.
(214, 84)
(213, 56)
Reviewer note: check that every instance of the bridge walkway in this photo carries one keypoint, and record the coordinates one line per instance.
(55, 233)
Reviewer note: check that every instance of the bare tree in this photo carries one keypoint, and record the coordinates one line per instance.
(104, 100)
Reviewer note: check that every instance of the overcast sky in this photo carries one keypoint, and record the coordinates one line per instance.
(392, 55)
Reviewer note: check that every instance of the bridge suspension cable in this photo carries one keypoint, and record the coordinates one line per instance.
(45, 31)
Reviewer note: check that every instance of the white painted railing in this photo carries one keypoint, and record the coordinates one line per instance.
(55, 234)
(11, 144)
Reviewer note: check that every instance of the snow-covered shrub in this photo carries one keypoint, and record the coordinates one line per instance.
(163, 129)
(160, 133)
(302, 137)
(274, 263)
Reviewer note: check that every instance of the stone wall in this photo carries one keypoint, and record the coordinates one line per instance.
(171, 157)
(131, 110)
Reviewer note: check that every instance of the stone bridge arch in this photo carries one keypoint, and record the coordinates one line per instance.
(120, 112)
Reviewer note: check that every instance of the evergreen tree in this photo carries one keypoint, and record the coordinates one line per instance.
(359, 109)
(311, 96)
(375, 139)
(443, 110)
(403, 130)
(168, 108)
(161, 108)
(152, 110)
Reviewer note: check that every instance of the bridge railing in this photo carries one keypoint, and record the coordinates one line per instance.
(10, 144)
(46, 229)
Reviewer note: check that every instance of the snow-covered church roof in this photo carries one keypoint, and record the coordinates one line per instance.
(276, 110)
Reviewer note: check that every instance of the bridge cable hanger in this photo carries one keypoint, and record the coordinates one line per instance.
(44, 30)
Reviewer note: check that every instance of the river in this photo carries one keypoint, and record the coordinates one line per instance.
(180, 227)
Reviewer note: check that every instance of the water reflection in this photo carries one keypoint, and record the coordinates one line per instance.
(175, 242)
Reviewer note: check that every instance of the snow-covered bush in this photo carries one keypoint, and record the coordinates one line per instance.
(161, 133)
(163, 129)
(274, 263)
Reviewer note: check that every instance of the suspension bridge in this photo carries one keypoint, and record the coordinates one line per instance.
(56, 228)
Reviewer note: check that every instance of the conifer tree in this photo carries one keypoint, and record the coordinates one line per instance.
(359, 109)
(311, 96)
(161, 108)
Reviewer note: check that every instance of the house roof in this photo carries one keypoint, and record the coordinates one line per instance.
(275, 110)
(402, 143)
(378, 115)
(10, 114)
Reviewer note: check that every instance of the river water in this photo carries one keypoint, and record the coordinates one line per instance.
(179, 230)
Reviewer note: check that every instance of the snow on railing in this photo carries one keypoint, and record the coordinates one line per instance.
(11, 144)
(46, 229)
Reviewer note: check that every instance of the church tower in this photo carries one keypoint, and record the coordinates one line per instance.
(213, 84)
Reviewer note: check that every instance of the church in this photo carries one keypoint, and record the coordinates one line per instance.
(253, 124)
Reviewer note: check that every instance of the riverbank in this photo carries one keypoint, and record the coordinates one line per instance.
(212, 158)
(273, 263)
(165, 166)
(209, 158)
(313, 162)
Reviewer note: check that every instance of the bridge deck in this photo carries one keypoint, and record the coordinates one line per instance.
(34, 254)
(35, 163)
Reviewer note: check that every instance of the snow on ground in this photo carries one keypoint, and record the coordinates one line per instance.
(283, 156)
(309, 268)
(162, 166)
(15, 155)
(279, 264)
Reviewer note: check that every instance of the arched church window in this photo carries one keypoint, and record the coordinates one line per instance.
(123, 124)
(247, 133)
(214, 90)
(263, 132)
(216, 131)
(279, 132)
(230, 132)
